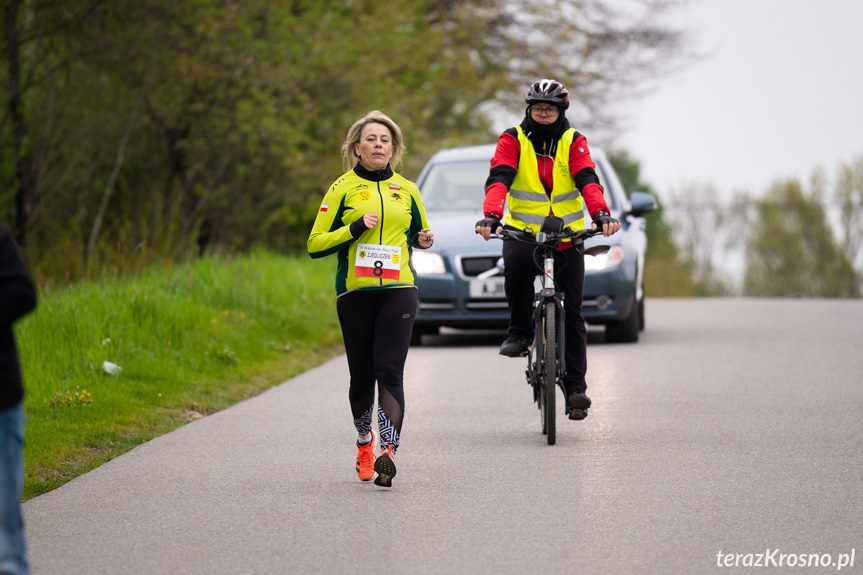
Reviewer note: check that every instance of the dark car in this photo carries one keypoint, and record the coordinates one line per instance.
(459, 278)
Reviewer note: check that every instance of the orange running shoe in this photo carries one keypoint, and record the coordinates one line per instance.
(366, 459)
(385, 465)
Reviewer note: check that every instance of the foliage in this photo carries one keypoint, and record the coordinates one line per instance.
(666, 272)
(791, 250)
(709, 231)
(189, 340)
(141, 131)
(605, 52)
(849, 195)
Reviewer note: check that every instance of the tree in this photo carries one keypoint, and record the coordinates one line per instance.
(708, 231)
(14, 111)
(138, 130)
(605, 52)
(791, 250)
(667, 272)
(849, 194)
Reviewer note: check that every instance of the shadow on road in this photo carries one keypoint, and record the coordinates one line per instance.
(451, 337)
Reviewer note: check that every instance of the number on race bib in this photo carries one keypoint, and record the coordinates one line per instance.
(378, 261)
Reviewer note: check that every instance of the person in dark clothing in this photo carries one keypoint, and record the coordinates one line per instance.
(543, 167)
(17, 298)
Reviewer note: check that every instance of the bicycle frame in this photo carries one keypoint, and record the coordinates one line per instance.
(546, 363)
(548, 293)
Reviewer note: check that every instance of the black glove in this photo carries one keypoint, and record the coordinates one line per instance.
(490, 221)
(601, 218)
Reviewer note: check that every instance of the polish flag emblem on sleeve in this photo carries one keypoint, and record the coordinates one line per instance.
(325, 207)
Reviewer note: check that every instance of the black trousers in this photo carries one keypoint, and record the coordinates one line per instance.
(522, 263)
(376, 327)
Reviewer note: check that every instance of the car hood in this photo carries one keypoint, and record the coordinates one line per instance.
(454, 233)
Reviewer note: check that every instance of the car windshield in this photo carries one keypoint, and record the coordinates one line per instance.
(460, 186)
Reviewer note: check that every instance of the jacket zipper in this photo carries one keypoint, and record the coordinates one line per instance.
(542, 173)
(544, 154)
(381, 219)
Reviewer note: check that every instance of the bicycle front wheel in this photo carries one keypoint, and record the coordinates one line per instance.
(549, 372)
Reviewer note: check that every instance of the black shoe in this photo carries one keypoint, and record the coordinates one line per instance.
(385, 465)
(577, 404)
(515, 346)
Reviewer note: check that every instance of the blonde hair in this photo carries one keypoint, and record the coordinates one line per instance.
(349, 155)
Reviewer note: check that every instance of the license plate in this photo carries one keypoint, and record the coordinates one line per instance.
(487, 289)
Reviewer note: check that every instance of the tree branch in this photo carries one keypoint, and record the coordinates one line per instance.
(118, 163)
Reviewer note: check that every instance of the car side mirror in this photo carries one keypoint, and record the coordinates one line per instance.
(642, 203)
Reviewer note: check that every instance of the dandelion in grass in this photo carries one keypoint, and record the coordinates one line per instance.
(78, 398)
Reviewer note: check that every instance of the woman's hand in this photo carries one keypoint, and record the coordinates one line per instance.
(370, 220)
(425, 238)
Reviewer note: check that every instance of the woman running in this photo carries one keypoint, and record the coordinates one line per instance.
(371, 218)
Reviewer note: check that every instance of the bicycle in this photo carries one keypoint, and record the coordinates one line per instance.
(546, 363)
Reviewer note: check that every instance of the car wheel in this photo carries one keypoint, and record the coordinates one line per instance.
(625, 331)
(419, 331)
(416, 336)
(641, 315)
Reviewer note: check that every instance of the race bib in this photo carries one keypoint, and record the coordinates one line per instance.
(377, 261)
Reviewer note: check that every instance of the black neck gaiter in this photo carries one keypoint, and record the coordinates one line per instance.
(544, 136)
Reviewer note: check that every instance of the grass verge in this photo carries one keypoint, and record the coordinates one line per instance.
(189, 340)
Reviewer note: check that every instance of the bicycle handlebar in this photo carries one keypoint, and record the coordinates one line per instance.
(549, 238)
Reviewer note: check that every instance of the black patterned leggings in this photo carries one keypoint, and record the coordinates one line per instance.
(376, 327)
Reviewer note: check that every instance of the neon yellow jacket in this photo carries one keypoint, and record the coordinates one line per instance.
(376, 258)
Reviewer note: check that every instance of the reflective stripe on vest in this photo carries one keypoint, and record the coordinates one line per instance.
(527, 204)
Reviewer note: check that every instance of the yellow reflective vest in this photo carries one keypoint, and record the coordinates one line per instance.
(527, 203)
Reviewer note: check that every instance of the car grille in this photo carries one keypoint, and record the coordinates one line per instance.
(473, 266)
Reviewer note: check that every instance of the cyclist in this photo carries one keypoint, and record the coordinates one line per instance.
(543, 167)
(370, 218)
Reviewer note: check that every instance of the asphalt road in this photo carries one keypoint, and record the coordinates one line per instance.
(733, 426)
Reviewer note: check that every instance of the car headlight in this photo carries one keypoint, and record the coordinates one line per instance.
(604, 261)
(428, 263)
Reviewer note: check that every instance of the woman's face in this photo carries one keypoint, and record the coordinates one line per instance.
(544, 113)
(375, 147)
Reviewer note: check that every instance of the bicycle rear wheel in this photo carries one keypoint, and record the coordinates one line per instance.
(549, 374)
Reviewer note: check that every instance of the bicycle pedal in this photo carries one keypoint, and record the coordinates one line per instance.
(577, 414)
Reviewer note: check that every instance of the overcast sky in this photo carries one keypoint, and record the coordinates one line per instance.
(779, 94)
